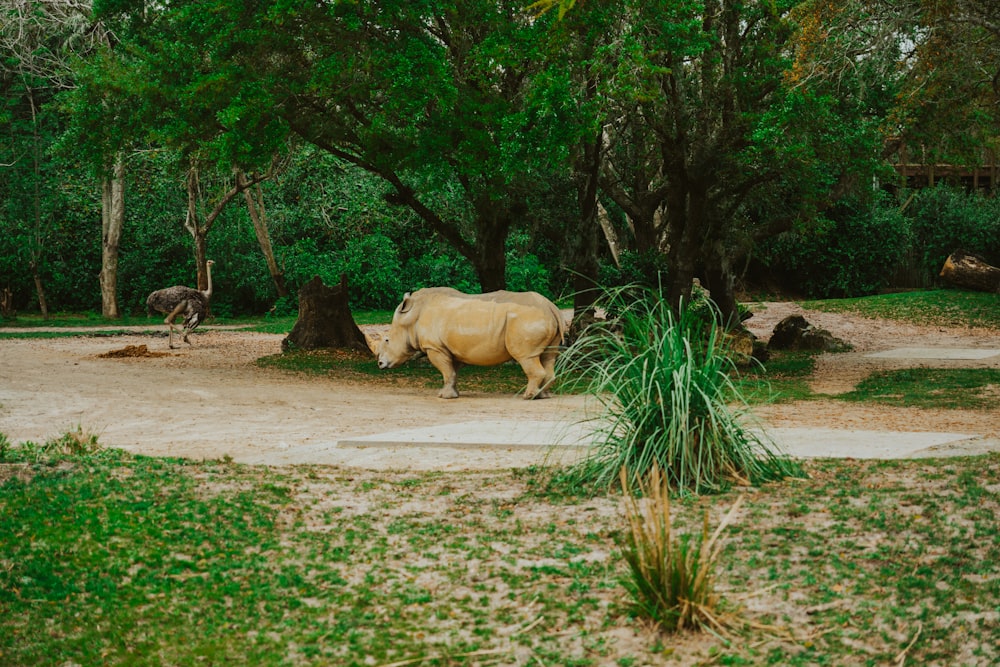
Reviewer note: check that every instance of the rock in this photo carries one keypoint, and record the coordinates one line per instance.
(795, 333)
(740, 343)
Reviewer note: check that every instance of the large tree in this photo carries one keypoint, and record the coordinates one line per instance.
(713, 145)
(39, 40)
(150, 87)
(437, 98)
(43, 41)
(949, 107)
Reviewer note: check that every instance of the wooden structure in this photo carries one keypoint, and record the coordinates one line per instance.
(917, 173)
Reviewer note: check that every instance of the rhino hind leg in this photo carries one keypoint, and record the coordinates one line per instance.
(549, 364)
(537, 378)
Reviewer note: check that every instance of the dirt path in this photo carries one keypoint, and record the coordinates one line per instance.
(839, 373)
(211, 400)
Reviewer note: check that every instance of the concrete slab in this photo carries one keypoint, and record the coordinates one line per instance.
(935, 353)
(566, 437)
(522, 435)
(857, 444)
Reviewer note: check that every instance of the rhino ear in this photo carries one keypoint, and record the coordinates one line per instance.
(406, 304)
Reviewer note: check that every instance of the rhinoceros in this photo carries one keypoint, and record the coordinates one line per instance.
(453, 329)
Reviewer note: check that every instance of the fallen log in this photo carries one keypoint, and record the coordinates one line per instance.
(970, 271)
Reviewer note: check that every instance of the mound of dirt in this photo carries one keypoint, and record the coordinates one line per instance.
(130, 351)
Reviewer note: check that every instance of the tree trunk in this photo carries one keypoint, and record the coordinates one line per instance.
(583, 245)
(199, 226)
(38, 245)
(255, 205)
(685, 211)
(325, 320)
(964, 269)
(112, 221)
(193, 223)
(610, 235)
(43, 305)
(490, 250)
(720, 284)
(7, 311)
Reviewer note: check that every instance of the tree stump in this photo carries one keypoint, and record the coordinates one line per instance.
(325, 320)
(964, 269)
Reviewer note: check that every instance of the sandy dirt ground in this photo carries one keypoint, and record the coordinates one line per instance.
(210, 400)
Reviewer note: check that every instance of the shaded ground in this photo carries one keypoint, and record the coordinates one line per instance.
(210, 400)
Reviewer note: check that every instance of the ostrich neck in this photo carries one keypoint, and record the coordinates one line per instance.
(208, 278)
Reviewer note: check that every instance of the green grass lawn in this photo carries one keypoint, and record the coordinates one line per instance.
(111, 559)
(943, 307)
(947, 388)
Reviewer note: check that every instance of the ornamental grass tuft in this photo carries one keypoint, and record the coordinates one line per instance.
(667, 397)
(672, 577)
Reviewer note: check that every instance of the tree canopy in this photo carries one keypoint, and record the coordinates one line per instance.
(698, 128)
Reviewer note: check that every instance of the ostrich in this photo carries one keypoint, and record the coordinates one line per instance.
(181, 300)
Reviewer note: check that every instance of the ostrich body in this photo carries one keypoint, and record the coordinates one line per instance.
(178, 300)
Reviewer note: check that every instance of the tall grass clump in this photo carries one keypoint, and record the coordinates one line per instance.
(671, 576)
(664, 384)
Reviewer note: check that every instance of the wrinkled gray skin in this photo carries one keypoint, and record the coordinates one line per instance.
(453, 329)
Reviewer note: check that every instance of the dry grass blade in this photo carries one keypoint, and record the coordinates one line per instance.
(901, 658)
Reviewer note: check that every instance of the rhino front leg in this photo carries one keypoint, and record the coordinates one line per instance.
(449, 372)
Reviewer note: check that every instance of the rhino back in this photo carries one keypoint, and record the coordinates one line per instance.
(530, 299)
(484, 333)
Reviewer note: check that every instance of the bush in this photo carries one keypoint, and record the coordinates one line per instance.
(855, 251)
(665, 387)
(645, 268)
(371, 262)
(525, 273)
(944, 219)
(373, 270)
(436, 269)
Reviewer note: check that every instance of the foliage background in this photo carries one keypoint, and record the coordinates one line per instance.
(504, 165)
(327, 220)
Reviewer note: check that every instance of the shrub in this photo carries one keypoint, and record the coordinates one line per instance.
(664, 384)
(944, 219)
(645, 268)
(438, 269)
(526, 273)
(855, 251)
(371, 262)
(69, 444)
(373, 269)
